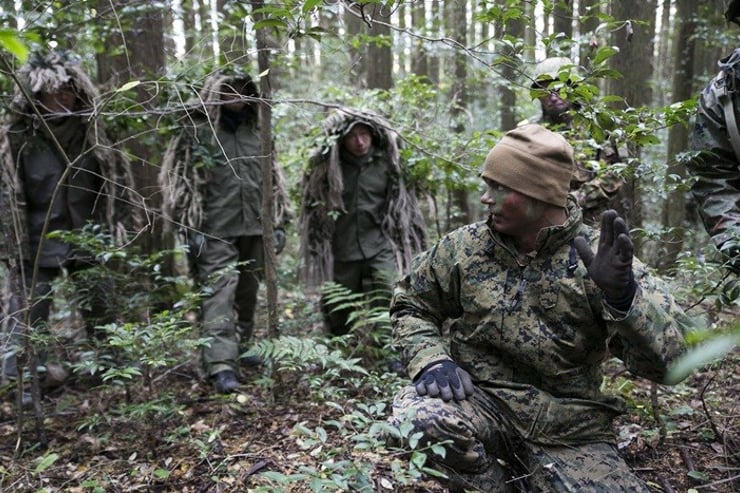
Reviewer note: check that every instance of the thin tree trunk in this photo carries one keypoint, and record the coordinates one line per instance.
(461, 213)
(674, 209)
(357, 60)
(419, 62)
(515, 27)
(635, 42)
(263, 60)
(379, 55)
(142, 58)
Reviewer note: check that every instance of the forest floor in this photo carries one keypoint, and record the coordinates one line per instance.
(270, 436)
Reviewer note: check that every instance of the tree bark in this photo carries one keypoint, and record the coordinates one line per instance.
(635, 42)
(460, 208)
(263, 60)
(379, 55)
(141, 58)
(674, 208)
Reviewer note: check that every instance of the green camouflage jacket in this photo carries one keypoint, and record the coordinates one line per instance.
(533, 332)
(716, 169)
(211, 174)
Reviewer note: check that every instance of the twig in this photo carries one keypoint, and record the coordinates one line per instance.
(690, 465)
(719, 481)
(667, 488)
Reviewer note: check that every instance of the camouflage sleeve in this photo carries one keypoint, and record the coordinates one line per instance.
(650, 336)
(715, 168)
(422, 301)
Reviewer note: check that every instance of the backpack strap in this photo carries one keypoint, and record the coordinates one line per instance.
(725, 97)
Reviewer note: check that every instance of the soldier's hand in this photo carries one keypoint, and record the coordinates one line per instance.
(280, 240)
(611, 267)
(446, 380)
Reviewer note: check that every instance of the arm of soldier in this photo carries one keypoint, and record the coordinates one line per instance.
(650, 336)
(639, 316)
(422, 300)
(716, 171)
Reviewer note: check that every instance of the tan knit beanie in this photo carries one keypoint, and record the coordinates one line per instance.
(533, 161)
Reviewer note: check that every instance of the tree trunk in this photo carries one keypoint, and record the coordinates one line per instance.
(379, 55)
(509, 119)
(233, 44)
(141, 58)
(263, 60)
(588, 21)
(562, 19)
(635, 42)
(419, 62)
(354, 23)
(674, 209)
(460, 208)
(434, 64)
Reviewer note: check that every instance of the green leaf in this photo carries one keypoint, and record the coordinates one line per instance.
(308, 5)
(697, 475)
(46, 462)
(604, 53)
(701, 355)
(13, 44)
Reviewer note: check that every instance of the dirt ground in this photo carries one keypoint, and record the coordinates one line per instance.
(684, 438)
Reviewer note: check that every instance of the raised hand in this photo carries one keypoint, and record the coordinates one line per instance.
(611, 267)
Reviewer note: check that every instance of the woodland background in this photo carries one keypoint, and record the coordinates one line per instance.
(451, 76)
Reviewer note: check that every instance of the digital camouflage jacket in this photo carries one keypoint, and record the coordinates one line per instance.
(717, 167)
(533, 332)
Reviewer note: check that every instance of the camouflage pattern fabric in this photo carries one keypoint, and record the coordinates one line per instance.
(532, 331)
(483, 455)
(716, 168)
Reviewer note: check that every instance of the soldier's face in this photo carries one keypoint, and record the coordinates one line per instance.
(232, 99)
(512, 213)
(358, 140)
(63, 100)
(553, 105)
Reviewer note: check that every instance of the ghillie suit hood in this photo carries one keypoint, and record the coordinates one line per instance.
(322, 189)
(182, 180)
(49, 73)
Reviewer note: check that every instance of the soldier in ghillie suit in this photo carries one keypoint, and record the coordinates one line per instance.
(514, 382)
(211, 180)
(60, 172)
(717, 165)
(594, 186)
(360, 224)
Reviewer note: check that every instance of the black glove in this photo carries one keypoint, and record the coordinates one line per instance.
(280, 239)
(446, 380)
(611, 267)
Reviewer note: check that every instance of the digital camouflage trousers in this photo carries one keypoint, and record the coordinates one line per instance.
(484, 455)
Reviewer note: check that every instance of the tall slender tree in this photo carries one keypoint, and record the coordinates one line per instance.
(635, 40)
(674, 208)
(138, 55)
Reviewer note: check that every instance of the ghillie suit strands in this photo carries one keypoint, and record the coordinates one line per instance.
(49, 74)
(184, 172)
(322, 190)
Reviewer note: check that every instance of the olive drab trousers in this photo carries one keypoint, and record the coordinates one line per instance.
(484, 455)
(95, 305)
(371, 276)
(230, 271)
